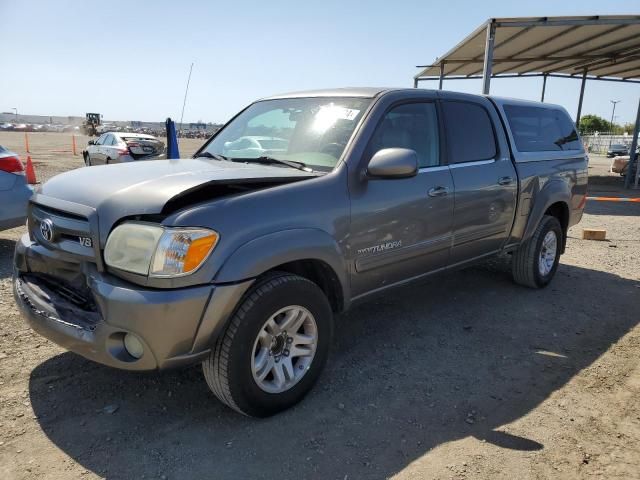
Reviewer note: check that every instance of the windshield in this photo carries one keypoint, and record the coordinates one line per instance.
(312, 131)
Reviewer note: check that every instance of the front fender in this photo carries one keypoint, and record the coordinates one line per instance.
(266, 252)
(553, 192)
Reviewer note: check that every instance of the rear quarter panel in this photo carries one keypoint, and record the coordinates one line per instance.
(545, 182)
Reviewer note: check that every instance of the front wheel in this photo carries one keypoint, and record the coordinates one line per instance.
(274, 348)
(535, 263)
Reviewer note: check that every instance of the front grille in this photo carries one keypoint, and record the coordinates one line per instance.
(69, 232)
(81, 299)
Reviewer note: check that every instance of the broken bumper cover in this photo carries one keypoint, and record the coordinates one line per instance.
(176, 327)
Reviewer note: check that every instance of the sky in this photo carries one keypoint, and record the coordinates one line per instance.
(129, 60)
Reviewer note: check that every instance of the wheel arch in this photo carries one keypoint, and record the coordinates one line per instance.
(307, 252)
(554, 199)
(560, 210)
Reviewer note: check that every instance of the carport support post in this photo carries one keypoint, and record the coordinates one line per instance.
(632, 162)
(544, 87)
(441, 76)
(488, 57)
(415, 83)
(584, 82)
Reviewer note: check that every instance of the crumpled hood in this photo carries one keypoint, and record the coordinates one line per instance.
(138, 188)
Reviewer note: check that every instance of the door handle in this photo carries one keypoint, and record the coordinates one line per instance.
(438, 191)
(505, 180)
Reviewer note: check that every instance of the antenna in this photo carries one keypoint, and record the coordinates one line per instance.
(186, 90)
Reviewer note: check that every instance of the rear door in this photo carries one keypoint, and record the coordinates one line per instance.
(401, 228)
(109, 153)
(484, 178)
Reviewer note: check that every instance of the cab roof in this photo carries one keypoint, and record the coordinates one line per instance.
(372, 92)
(362, 92)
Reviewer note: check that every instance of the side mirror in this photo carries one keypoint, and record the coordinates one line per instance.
(393, 163)
(91, 142)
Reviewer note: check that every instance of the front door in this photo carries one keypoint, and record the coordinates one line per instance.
(484, 177)
(401, 228)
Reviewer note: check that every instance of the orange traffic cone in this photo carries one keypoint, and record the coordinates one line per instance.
(31, 173)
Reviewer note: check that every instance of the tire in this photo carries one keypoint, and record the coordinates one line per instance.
(87, 160)
(526, 265)
(230, 370)
(107, 161)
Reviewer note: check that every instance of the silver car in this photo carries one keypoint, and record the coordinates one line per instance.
(121, 147)
(14, 190)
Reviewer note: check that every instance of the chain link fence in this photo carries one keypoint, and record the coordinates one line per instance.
(599, 142)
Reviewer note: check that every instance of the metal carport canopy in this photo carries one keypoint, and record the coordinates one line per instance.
(601, 47)
(606, 47)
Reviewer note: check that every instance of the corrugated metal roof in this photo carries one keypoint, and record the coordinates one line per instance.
(606, 46)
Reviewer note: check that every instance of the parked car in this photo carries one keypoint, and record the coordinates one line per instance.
(617, 149)
(14, 190)
(242, 262)
(255, 146)
(620, 164)
(121, 147)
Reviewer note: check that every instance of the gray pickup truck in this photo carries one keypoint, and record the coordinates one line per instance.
(302, 204)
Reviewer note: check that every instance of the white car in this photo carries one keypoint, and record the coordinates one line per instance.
(120, 147)
(255, 146)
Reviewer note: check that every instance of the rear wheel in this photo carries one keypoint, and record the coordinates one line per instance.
(535, 263)
(274, 348)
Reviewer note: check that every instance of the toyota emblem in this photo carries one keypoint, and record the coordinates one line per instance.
(46, 229)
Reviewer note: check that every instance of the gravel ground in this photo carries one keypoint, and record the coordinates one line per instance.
(465, 375)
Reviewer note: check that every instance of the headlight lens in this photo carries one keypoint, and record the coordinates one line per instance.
(157, 251)
(130, 247)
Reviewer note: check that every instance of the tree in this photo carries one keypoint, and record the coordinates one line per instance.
(594, 123)
(628, 127)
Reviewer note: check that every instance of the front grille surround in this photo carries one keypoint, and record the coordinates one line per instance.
(75, 236)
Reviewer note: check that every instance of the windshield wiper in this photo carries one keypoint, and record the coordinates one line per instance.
(266, 160)
(215, 156)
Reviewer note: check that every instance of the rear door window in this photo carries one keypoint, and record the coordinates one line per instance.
(470, 135)
(539, 129)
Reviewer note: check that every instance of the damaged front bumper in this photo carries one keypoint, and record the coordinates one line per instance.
(175, 327)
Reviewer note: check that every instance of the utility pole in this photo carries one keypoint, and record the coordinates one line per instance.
(611, 122)
(15, 110)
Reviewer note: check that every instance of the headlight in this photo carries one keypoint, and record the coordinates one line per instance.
(182, 250)
(158, 251)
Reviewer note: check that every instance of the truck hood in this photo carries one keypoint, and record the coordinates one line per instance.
(160, 186)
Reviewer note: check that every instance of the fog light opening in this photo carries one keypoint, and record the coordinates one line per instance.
(133, 345)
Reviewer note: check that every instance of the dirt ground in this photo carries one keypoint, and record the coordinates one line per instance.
(464, 375)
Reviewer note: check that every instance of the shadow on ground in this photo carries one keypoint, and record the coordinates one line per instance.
(459, 355)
